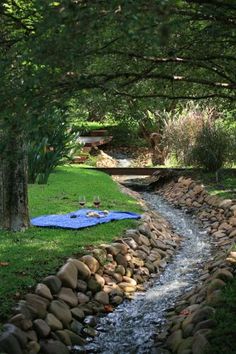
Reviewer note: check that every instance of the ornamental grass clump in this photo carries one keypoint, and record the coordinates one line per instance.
(212, 147)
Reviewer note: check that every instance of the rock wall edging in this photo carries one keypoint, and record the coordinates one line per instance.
(62, 311)
(192, 321)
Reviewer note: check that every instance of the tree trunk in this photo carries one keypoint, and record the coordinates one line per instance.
(14, 214)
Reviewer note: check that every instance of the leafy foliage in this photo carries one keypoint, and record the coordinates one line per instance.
(50, 145)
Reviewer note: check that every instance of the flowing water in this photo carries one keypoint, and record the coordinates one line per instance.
(132, 326)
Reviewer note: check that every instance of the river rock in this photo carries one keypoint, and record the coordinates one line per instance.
(145, 230)
(76, 326)
(94, 285)
(83, 270)
(61, 311)
(120, 269)
(207, 324)
(174, 340)
(77, 313)
(44, 291)
(68, 296)
(226, 203)
(215, 284)
(33, 347)
(20, 321)
(64, 337)
(37, 305)
(116, 300)
(215, 298)
(91, 321)
(75, 338)
(121, 260)
(16, 332)
(53, 322)
(91, 262)
(127, 287)
(223, 274)
(53, 283)
(82, 285)
(82, 298)
(186, 344)
(100, 254)
(9, 344)
(102, 297)
(68, 275)
(41, 328)
(200, 344)
(53, 347)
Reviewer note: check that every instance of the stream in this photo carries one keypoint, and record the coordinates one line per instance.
(132, 327)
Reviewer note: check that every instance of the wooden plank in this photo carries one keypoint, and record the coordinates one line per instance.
(133, 171)
(148, 171)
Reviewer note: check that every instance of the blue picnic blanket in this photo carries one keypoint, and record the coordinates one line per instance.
(79, 219)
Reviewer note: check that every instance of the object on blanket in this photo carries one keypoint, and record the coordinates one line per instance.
(82, 218)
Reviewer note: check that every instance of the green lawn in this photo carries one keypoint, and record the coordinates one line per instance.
(40, 251)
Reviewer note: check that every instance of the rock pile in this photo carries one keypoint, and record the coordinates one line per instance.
(191, 323)
(62, 311)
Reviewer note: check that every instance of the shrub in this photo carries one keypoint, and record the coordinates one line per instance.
(212, 147)
(182, 128)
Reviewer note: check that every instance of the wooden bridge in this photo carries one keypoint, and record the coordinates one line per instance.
(137, 171)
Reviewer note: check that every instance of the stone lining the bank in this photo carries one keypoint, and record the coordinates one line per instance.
(191, 322)
(62, 311)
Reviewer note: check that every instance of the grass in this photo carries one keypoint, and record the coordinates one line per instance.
(40, 251)
(222, 339)
(224, 188)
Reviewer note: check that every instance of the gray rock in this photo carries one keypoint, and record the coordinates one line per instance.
(61, 311)
(17, 332)
(200, 344)
(121, 260)
(75, 339)
(67, 295)
(20, 321)
(64, 337)
(82, 298)
(76, 326)
(102, 297)
(205, 325)
(94, 285)
(68, 275)
(84, 272)
(174, 340)
(78, 313)
(53, 322)
(37, 305)
(100, 255)
(9, 344)
(91, 262)
(100, 280)
(41, 328)
(90, 321)
(82, 285)
(53, 347)
(44, 291)
(33, 347)
(53, 283)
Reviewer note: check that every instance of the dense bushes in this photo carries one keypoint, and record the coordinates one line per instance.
(200, 137)
(211, 148)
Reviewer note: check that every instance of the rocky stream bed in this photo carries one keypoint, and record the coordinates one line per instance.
(153, 290)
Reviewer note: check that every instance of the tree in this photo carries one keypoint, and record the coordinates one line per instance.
(54, 50)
